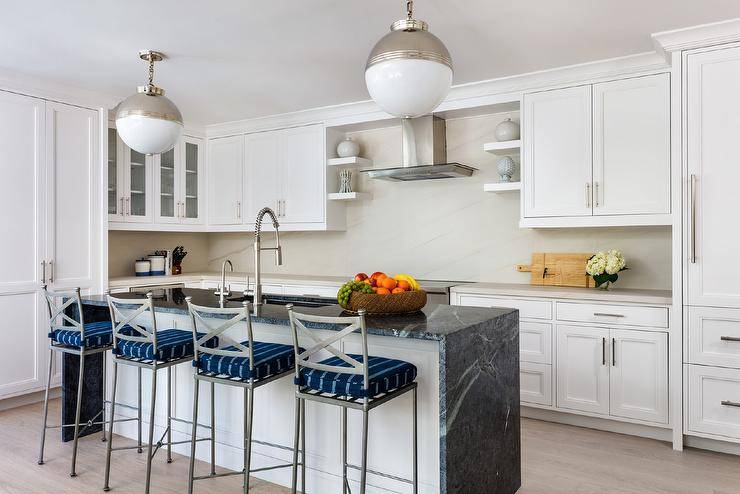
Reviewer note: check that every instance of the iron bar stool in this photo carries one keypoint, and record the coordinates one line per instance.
(135, 345)
(359, 382)
(247, 364)
(75, 338)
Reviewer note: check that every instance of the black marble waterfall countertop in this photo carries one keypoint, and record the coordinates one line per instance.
(434, 322)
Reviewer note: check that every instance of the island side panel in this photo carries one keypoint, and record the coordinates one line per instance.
(480, 450)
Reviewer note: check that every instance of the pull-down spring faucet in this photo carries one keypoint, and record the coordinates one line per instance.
(258, 249)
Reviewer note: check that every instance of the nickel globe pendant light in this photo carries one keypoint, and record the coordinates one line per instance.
(147, 121)
(409, 71)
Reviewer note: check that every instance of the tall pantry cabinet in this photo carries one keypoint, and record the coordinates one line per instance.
(712, 242)
(51, 212)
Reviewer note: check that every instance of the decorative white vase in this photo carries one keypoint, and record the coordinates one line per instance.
(507, 131)
(506, 168)
(348, 148)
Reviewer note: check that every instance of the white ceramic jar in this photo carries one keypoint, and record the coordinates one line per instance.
(507, 131)
(142, 267)
(348, 148)
(157, 265)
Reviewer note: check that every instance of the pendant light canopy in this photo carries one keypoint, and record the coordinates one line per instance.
(147, 121)
(409, 71)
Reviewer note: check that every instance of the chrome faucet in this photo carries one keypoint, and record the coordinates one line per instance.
(222, 291)
(258, 249)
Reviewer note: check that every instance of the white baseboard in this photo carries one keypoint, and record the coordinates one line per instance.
(28, 399)
(712, 445)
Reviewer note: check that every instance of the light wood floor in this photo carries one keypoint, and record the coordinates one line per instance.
(557, 459)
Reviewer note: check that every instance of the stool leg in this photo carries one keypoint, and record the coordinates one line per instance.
(363, 471)
(296, 435)
(105, 386)
(303, 446)
(416, 447)
(139, 409)
(150, 444)
(106, 487)
(193, 435)
(78, 410)
(213, 428)
(46, 407)
(169, 414)
(344, 450)
(249, 408)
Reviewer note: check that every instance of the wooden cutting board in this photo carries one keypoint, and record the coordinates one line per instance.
(556, 269)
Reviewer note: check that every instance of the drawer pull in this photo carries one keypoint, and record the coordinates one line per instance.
(729, 338)
(605, 314)
(728, 403)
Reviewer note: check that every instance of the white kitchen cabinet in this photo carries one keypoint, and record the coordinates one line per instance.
(137, 186)
(225, 180)
(179, 180)
(303, 175)
(714, 401)
(583, 368)
(713, 124)
(166, 185)
(631, 163)
(263, 172)
(638, 375)
(557, 153)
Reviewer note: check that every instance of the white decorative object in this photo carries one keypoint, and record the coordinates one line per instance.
(348, 148)
(345, 181)
(506, 168)
(507, 131)
(409, 71)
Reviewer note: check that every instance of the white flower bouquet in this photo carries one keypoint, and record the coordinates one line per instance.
(604, 267)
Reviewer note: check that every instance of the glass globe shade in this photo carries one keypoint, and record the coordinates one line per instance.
(148, 123)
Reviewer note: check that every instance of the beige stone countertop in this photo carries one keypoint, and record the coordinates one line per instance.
(614, 294)
(232, 277)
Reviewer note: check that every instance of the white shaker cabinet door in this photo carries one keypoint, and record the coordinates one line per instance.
(639, 375)
(713, 155)
(631, 164)
(583, 368)
(557, 153)
(263, 169)
(225, 180)
(304, 175)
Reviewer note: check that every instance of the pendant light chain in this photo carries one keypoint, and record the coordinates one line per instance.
(151, 70)
(409, 9)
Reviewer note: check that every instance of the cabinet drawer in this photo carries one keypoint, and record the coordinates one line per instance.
(655, 317)
(535, 342)
(533, 309)
(311, 291)
(714, 336)
(535, 383)
(714, 400)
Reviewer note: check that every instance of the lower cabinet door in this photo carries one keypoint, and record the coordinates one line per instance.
(23, 369)
(639, 375)
(535, 383)
(714, 401)
(583, 368)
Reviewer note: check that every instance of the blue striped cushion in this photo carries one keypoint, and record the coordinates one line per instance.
(269, 359)
(97, 334)
(385, 375)
(172, 344)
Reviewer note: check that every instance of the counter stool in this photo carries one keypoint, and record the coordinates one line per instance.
(360, 382)
(75, 338)
(247, 364)
(137, 346)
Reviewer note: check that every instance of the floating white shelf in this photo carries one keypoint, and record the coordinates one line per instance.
(349, 196)
(502, 186)
(495, 147)
(352, 161)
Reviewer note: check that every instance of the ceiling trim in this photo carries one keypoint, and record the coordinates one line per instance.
(701, 36)
(15, 82)
(471, 95)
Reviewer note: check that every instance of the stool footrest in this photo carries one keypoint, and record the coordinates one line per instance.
(381, 474)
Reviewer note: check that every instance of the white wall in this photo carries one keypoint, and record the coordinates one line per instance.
(124, 248)
(448, 229)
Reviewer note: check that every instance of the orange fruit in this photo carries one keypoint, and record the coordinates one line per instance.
(383, 291)
(377, 274)
(398, 290)
(388, 283)
(404, 284)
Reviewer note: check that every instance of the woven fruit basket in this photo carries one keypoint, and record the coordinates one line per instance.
(394, 303)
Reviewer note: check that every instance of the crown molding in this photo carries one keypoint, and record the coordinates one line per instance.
(701, 36)
(471, 95)
(27, 85)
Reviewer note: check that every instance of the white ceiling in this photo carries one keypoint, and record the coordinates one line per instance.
(235, 59)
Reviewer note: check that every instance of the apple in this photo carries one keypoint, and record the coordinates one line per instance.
(377, 274)
(360, 277)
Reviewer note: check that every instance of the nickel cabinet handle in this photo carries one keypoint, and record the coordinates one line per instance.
(596, 194)
(729, 338)
(51, 267)
(606, 314)
(588, 195)
(603, 351)
(614, 352)
(43, 272)
(238, 210)
(128, 206)
(728, 403)
(123, 209)
(692, 240)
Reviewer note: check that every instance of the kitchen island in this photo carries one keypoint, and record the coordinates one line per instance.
(468, 376)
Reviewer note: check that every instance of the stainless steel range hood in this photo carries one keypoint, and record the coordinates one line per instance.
(424, 153)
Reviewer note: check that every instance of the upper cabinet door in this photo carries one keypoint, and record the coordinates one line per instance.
(192, 180)
(262, 179)
(632, 169)
(167, 186)
(72, 159)
(116, 177)
(557, 153)
(138, 201)
(225, 180)
(713, 156)
(304, 175)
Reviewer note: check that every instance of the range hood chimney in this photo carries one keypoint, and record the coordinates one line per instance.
(424, 153)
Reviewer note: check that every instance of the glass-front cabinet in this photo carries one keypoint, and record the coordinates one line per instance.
(179, 183)
(129, 183)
